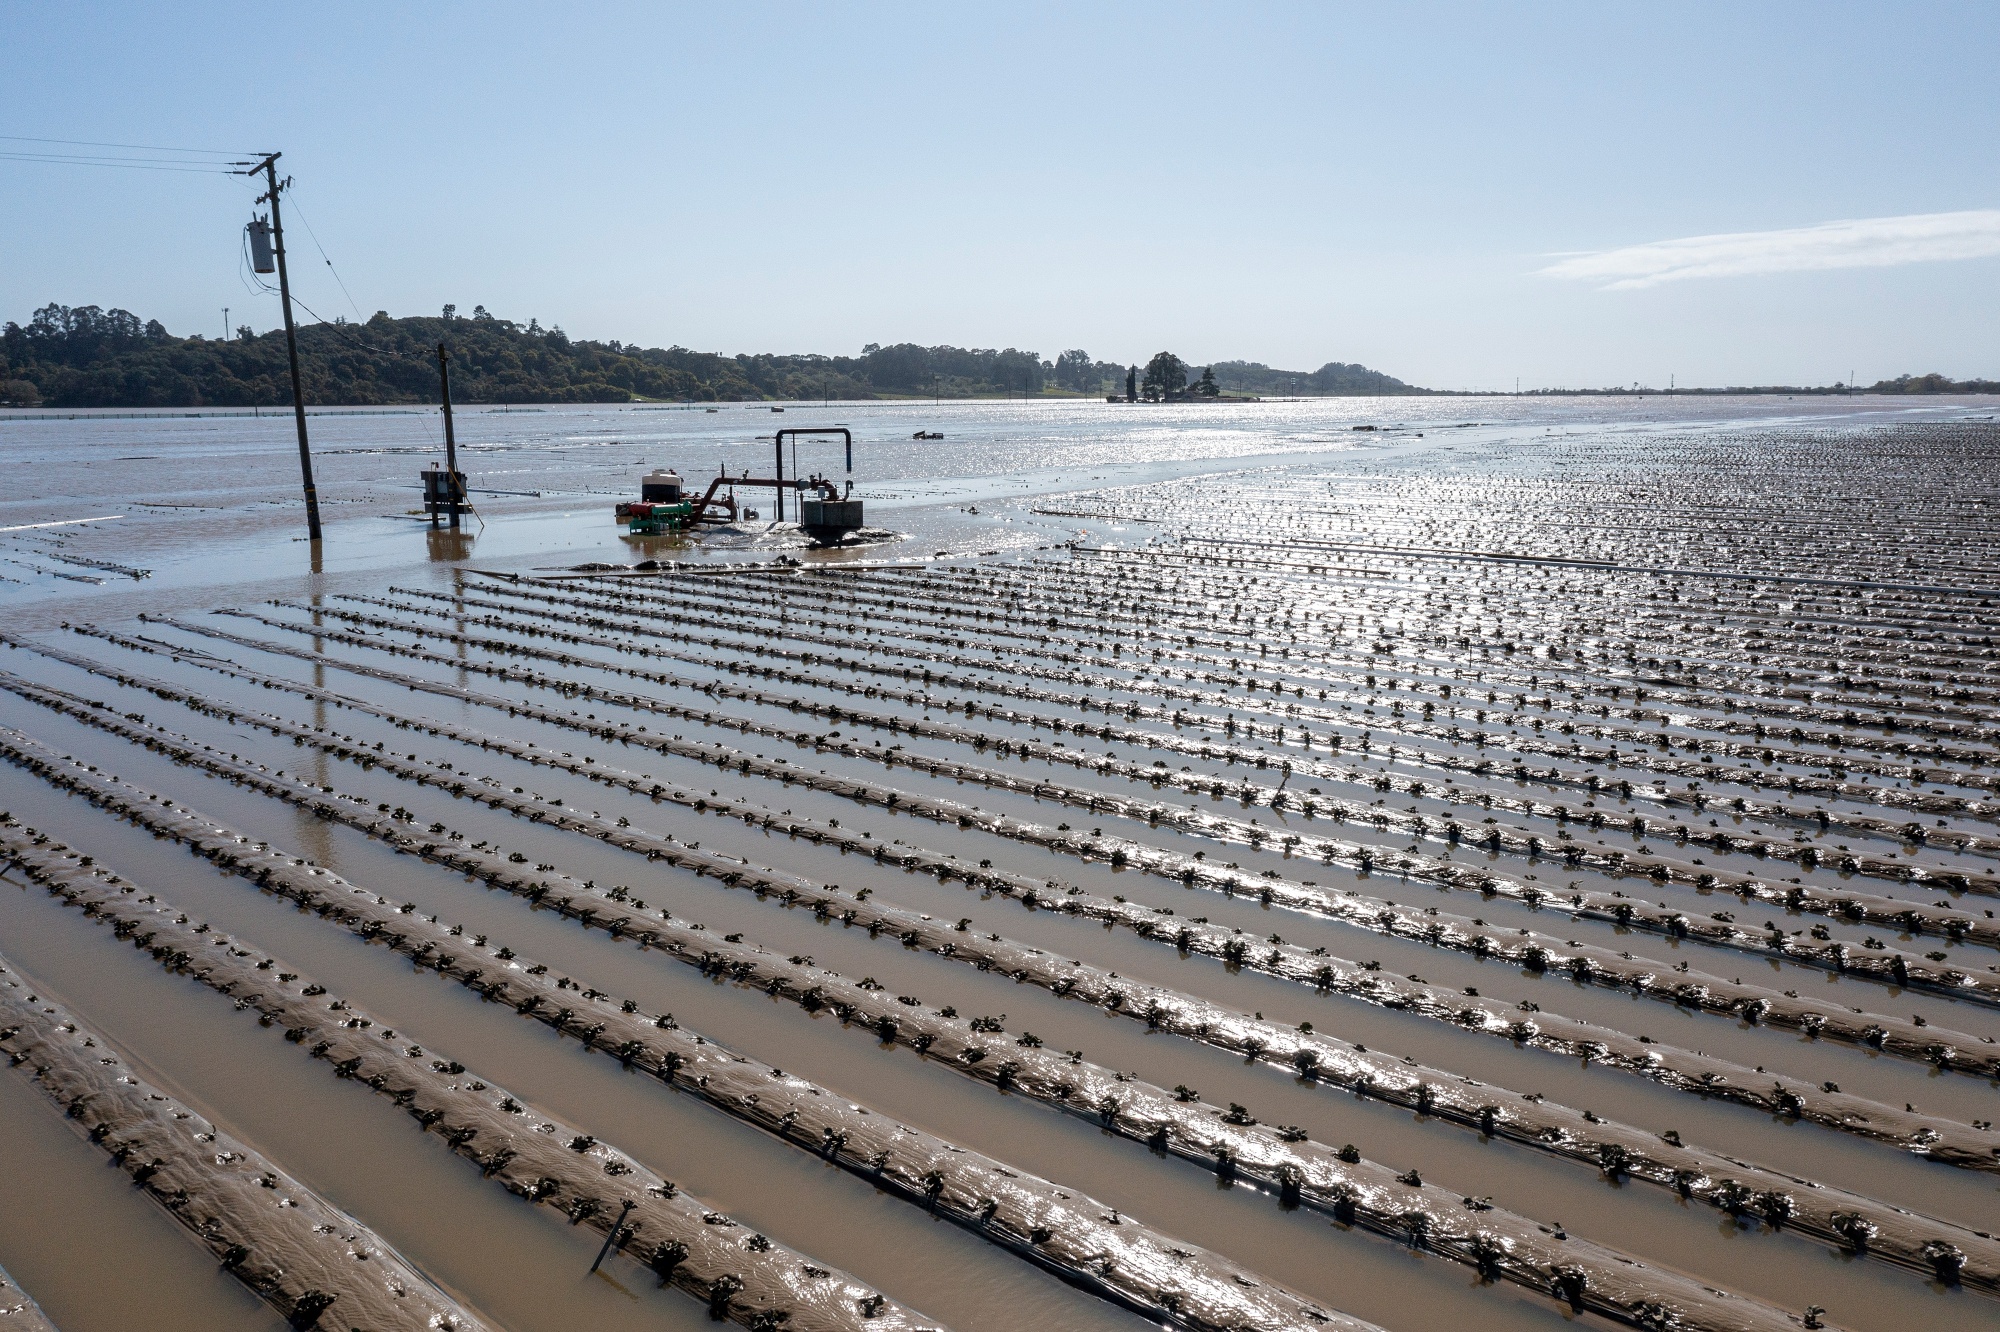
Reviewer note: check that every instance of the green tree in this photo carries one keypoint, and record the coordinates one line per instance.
(1208, 388)
(1075, 370)
(86, 356)
(1166, 377)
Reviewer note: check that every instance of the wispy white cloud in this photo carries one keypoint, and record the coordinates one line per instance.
(1869, 242)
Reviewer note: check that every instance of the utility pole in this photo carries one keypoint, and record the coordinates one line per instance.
(225, 323)
(452, 487)
(269, 166)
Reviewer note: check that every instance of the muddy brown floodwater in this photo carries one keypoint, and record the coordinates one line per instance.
(1481, 877)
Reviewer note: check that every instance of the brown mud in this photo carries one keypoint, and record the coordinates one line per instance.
(1299, 1172)
(18, 1310)
(743, 1278)
(1669, 765)
(1847, 1221)
(299, 1253)
(1942, 1047)
(1120, 1258)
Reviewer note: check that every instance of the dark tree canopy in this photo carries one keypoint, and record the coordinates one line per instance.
(90, 357)
(1166, 377)
(1934, 383)
(1331, 379)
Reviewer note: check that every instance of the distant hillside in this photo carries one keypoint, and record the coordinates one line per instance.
(1331, 380)
(1934, 383)
(90, 357)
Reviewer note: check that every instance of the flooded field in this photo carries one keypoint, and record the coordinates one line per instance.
(1345, 864)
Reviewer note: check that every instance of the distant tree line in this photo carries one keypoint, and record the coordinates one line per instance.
(1931, 383)
(1333, 379)
(1934, 383)
(85, 356)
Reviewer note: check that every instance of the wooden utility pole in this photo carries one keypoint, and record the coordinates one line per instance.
(452, 487)
(269, 166)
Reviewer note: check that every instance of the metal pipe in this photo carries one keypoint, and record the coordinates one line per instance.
(795, 431)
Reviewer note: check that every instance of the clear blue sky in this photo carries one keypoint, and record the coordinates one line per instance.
(1284, 183)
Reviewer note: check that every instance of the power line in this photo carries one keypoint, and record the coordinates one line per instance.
(108, 157)
(50, 160)
(354, 304)
(142, 147)
(341, 330)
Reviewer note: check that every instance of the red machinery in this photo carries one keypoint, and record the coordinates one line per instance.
(828, 516)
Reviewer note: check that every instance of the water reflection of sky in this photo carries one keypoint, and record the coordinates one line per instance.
(214, 500)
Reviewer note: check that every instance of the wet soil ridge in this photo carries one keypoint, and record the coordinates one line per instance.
(1498, 1244)
(1679, 985)
(1685, 1070)
(1882, 963)
(1236, 672)
(1489, 835)
(1513, 838)
(312, 1262)
(1285, 723)
(1071, 1234)
(1735, 1187)
(1897, 965)
(740, 1275)
(18, 1310)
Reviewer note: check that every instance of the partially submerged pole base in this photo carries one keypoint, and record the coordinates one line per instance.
(444, 493)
